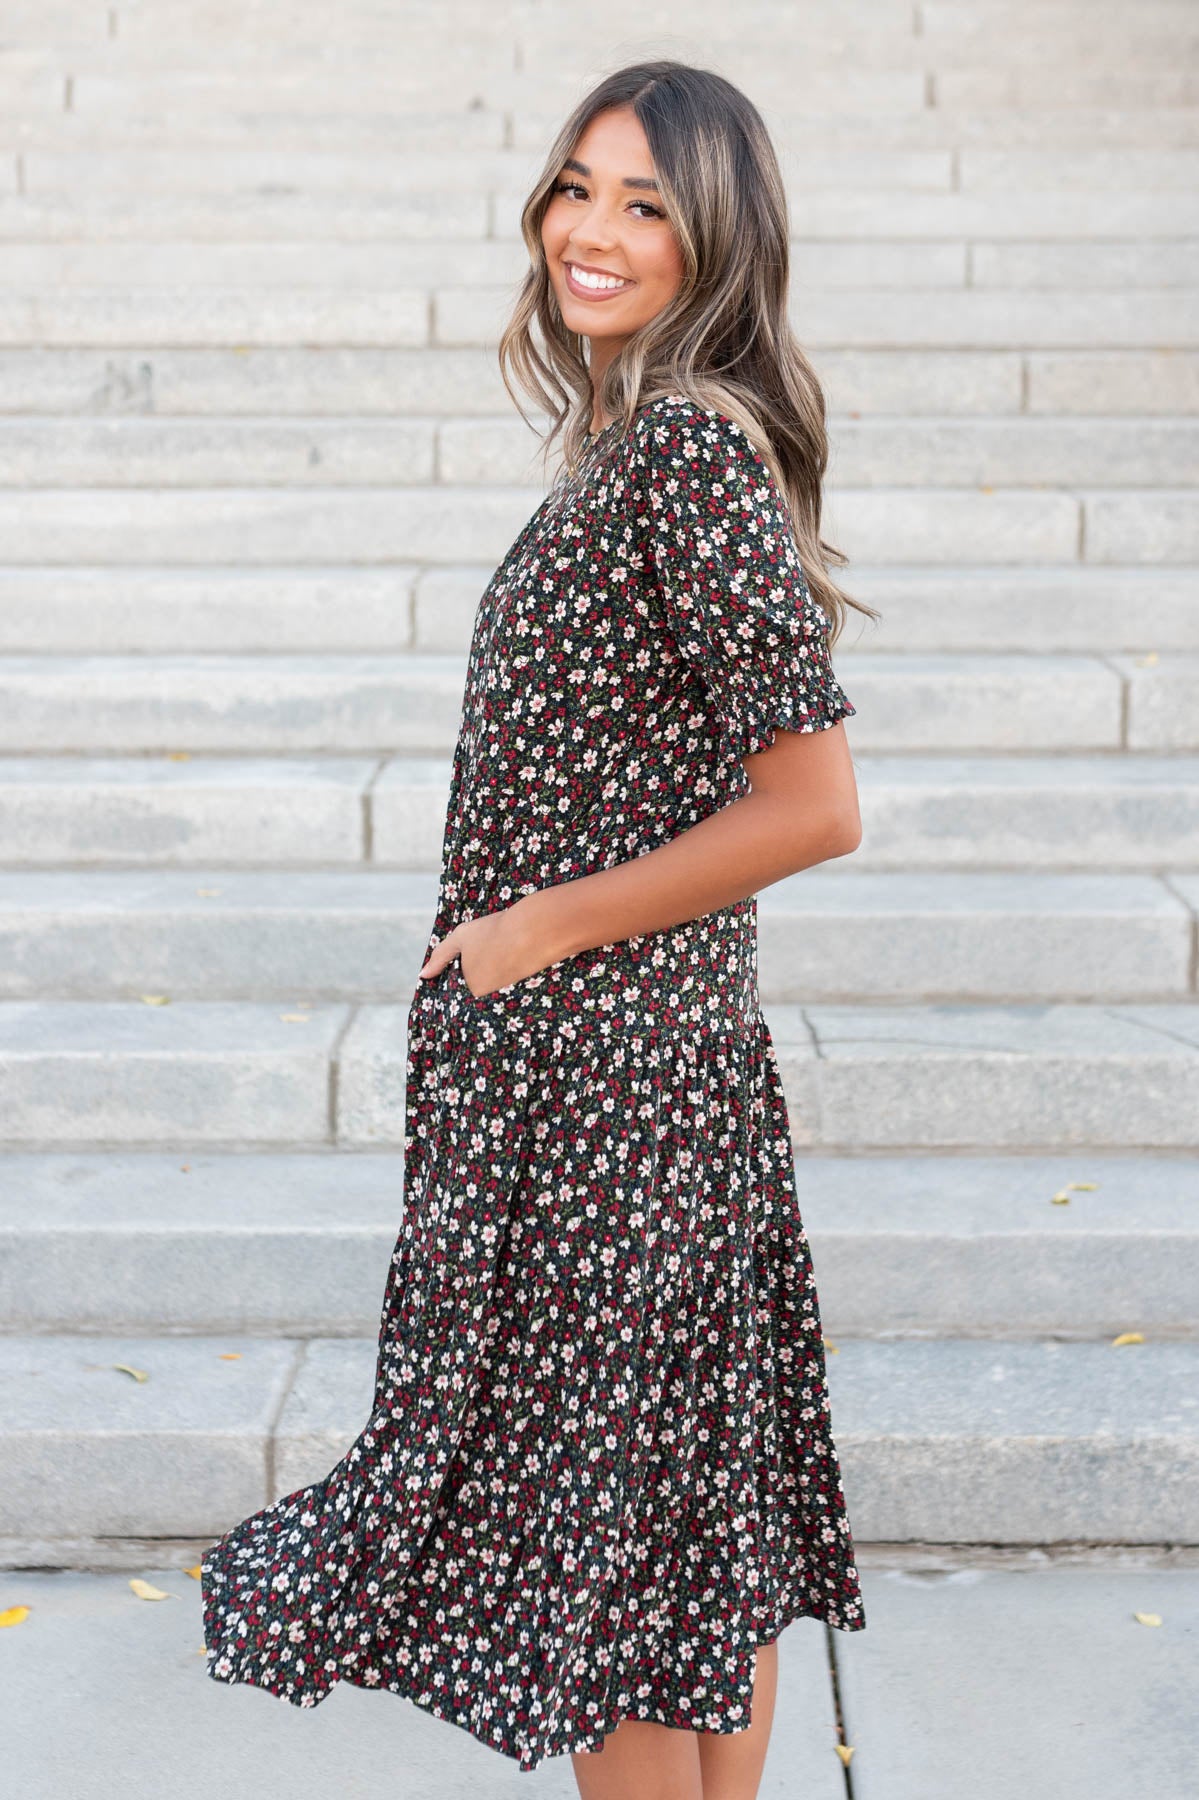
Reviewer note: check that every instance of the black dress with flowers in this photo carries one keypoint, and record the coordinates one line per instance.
(599, 1467)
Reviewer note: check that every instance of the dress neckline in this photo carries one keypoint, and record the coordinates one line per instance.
(593, 437)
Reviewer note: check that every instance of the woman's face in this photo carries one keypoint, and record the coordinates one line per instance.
(607, 220)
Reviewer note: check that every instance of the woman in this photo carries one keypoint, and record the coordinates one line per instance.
(599, 1477)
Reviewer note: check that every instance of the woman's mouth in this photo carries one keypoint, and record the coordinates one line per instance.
(594, 287)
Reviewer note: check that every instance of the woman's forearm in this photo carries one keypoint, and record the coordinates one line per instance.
(733, 853)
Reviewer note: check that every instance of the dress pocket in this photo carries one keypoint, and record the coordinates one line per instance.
(513, 994)
(498, 996)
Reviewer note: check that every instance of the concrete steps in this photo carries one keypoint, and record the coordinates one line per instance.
(957, 1440)
(548, 92)
(962, 1076)
(411, 367)
(930, 451)
(256, 467)
(448, 170)
(443, 524)
(354, 130)
(297, 1243)
(1015, 394)
(53, 288)
(267, 811)
(827, 934)
(841, 213)
(942, 38)
(1050, 814)
(81, 611)
(923, 701)
(1059, 314)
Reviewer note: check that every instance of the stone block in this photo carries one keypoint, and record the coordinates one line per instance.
(149, 811)
(968, 1442)
(109, 612)
(204, 1072)
(371, 1067)
(256, 526)
(841, 934)
(328, 1405)
(1134, 382)
(975, 1246)
(295, 1243)
(213, 934)
(91, 1452)
(1029, 812)
(1152, 527)
(1163, 700)
(1019, 1077)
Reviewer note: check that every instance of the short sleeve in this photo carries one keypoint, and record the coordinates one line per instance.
(733, 590)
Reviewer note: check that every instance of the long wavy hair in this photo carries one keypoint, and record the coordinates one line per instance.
(724, 340)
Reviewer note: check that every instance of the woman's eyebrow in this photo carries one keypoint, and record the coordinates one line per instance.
(631, 181)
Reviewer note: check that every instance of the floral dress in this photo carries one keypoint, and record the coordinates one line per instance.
(598, 1470)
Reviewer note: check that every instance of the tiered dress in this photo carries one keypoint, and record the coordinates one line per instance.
(599, 1467)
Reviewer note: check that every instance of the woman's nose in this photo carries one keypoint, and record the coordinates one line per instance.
(595, 224)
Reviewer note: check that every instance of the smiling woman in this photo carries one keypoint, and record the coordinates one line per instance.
(612, 254)
(599, 1479)
(659, 250)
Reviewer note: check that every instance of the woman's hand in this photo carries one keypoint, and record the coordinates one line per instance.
(495, 950)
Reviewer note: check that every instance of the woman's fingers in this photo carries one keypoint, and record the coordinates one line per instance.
(440, 955)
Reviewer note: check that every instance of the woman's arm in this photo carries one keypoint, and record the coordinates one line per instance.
(802, 809)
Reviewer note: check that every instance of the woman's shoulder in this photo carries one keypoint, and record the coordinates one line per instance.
(670, 414)
(679, 446)
(676, 435)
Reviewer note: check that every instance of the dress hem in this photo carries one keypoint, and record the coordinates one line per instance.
(528, 1757)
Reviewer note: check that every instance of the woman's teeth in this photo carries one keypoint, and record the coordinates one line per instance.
(586, 279)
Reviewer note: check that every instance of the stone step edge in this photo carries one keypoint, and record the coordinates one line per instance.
(243, 1431)
(196, 1253)
(341, 1081)
(985, 937)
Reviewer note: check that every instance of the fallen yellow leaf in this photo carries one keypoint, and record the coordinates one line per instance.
(831, 1348)
(845, 1752)
(296, 1018)
(179, 755)
(137, 1374)
(1128, 1337)
(1060, 1199)
(230, 1355)
(144, 1591)
(1147, 1618)
(194, 1573)
(1147, 661)
(13, 1615)
(155, 999)
(1083, 1187)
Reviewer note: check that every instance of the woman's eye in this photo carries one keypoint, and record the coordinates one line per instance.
(576, 187)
